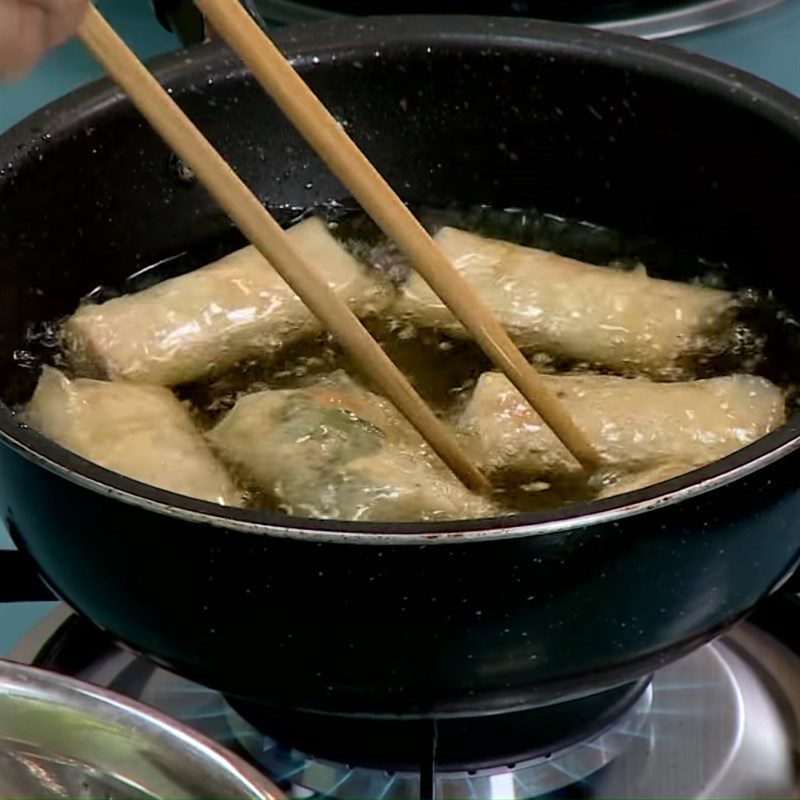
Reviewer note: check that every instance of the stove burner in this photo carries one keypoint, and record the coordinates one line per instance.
(460, 743)
(721, 723)
(532, 777)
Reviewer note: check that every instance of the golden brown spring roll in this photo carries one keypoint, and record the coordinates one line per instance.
(620, 320)
(336, 451)
(203, 322)
(635, 424)
(141, 431)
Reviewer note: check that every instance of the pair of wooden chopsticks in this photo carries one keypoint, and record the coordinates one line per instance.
(346, 161)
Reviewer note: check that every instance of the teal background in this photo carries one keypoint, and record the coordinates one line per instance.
(767, 45)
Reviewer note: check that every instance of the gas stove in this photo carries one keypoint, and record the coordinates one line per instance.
(723, 722)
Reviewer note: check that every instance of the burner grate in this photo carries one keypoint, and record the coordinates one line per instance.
(534, 777)
(453, 744)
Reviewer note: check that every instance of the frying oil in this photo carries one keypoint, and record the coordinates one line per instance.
(762, 337)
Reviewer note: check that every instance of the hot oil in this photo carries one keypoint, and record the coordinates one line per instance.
(761, 336)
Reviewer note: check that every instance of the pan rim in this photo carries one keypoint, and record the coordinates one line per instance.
(321, 40)
(72, 467)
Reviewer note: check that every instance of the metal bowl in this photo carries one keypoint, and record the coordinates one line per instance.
(60, 737)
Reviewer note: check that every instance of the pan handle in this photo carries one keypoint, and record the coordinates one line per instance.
(20, 580)
(182, 18)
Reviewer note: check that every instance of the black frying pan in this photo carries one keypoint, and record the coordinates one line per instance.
(409, 619)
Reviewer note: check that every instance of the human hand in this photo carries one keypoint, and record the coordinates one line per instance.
(29, 28)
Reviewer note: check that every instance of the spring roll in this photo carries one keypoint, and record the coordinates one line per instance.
(623, 321)
(336, 451)
(141, 431)
(635, 424)
(201, 323)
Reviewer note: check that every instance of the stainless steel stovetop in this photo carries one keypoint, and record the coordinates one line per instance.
(723, 722)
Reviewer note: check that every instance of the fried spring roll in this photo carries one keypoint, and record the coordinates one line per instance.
(339, 452)
(208, 320)
(635, 424)
(141, 431)
(623, 321)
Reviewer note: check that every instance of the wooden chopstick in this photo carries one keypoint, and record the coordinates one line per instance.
(302, 107)
(268, 237)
